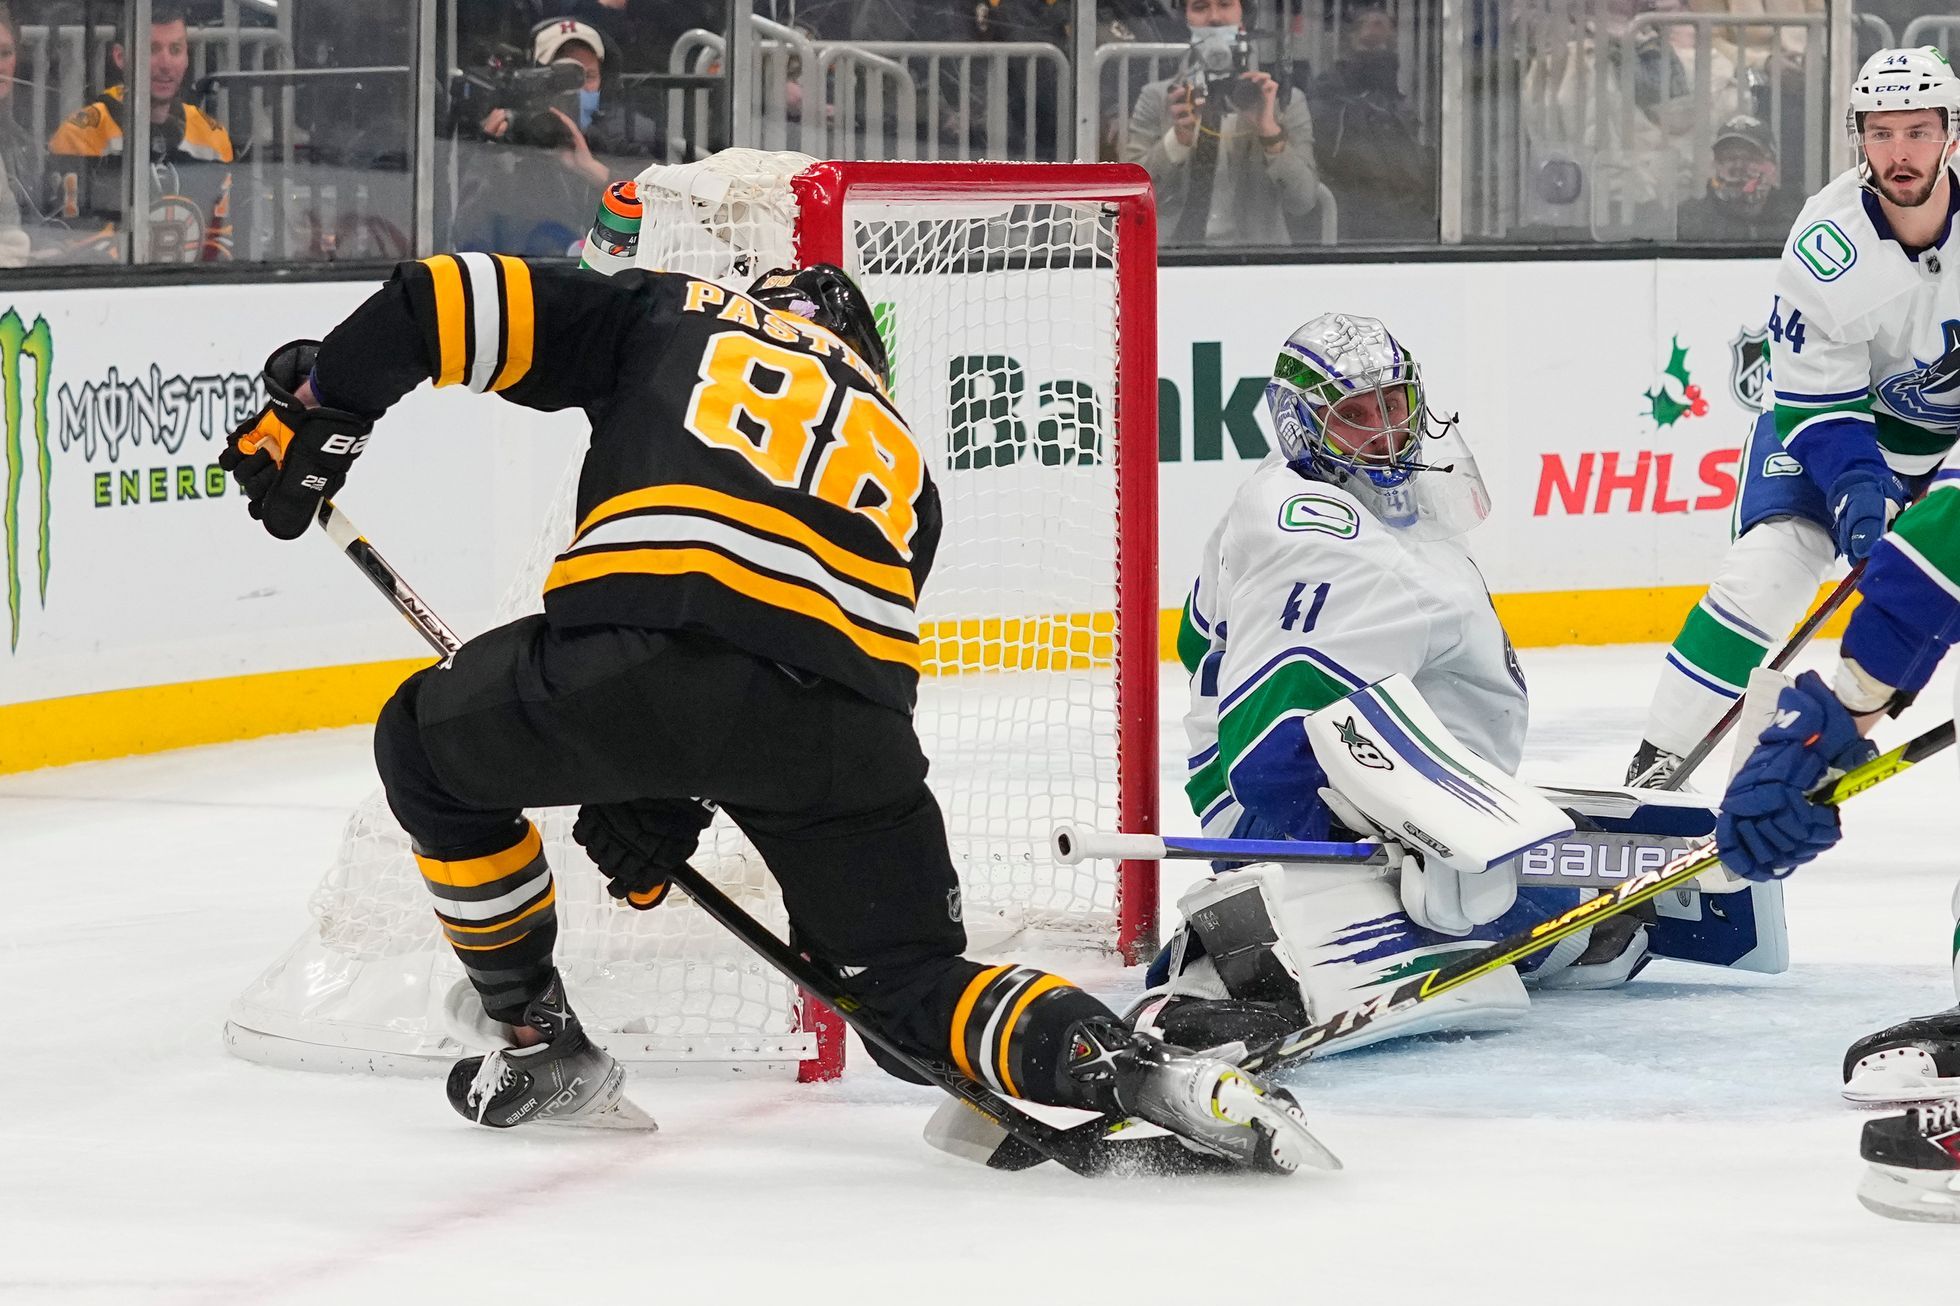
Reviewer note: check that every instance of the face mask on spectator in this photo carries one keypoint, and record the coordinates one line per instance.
(1373, 68)
(588, 104)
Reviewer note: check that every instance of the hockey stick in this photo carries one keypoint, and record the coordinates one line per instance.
(1784, 657)
(1083, 1153)
(1291, 1049)
(1583, 859)
(1072, 844)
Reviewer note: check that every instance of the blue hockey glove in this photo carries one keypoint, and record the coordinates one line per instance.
(1863, 500)
(1767, 828)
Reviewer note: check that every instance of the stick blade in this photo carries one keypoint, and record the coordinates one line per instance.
(959, 1130)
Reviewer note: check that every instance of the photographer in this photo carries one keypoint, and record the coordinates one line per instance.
(532, 191)
(1230, 155)
(539, 114)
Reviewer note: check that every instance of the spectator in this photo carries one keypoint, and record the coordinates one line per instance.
(534, 189)
(604, 120)
(1232, 164)
(190, 215)
(1366, 135)
(1745, 200)
(18, 173)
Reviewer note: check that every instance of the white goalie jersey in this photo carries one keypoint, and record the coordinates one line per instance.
(1302, 596)
(1864, 338)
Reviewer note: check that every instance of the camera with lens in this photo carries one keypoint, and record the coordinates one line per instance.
(526, 92)
(1220, 57)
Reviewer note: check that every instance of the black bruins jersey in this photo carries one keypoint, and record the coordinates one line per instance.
(747, 476)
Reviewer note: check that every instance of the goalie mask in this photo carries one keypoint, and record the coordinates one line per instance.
(1348, 405)
(823, 294)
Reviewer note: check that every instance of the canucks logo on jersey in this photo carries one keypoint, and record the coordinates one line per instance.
(1929, 394)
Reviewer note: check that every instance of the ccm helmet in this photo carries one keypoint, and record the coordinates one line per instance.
(1895, 81)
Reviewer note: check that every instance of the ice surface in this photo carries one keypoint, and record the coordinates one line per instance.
(1678, 1141)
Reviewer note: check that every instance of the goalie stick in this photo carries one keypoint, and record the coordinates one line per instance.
(1784, 657)
(1085, 1153)
(1583, 859)
(1301, 1045)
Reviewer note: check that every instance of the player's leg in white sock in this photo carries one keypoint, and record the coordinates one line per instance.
(1765, 584)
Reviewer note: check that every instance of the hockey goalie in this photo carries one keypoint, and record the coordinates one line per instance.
(1351, 680)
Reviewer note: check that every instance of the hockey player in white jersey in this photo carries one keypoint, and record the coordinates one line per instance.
(1337, 566)
(1865, 368)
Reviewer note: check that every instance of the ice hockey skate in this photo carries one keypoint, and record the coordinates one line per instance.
(565, 1080)
(1916, 1060)
(1914, 1171)
(1210, 1104)
(1652, 767)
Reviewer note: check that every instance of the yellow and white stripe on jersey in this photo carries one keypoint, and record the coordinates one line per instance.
(486, 320)
(756, 550)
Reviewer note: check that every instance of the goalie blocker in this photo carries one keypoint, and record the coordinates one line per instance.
(1269, 947)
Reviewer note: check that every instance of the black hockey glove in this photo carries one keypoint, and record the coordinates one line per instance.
(289, 457)
(638, 844)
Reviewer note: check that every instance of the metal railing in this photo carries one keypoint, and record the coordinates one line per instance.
(1922, 31)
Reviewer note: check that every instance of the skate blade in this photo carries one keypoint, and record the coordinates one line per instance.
(1287, 1143)
(610, 1108)
(1900, 1077)
(621, 1114)
(1919, 1196)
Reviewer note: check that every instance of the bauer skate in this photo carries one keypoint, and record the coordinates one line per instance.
(1914, 1171)
(1210, 1104)
(1916, 1060)
(565, 1080)
(1652, 767)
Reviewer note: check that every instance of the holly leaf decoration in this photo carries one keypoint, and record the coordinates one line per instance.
(1677, 363)
(1664, 408)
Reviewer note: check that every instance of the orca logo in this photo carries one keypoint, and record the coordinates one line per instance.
(1911, 394)
(1363, 749)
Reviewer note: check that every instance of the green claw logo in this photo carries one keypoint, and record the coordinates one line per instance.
(20, 342)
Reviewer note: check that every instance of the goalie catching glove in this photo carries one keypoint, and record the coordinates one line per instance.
(289, 457)
(639, 844)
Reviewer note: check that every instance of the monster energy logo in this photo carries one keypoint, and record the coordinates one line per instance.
(18, 341)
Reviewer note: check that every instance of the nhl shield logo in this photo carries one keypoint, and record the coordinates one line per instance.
(1749, 367)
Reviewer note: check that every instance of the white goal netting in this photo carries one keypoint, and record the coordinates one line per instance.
(1002, 318)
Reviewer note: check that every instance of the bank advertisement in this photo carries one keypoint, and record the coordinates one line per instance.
(1605, 402)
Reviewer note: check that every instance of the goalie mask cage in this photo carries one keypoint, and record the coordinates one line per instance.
(1018, 305)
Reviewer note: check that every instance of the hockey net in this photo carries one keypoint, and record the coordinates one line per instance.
(1017, 304)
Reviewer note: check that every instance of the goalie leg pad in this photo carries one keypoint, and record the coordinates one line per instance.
(1317, 941)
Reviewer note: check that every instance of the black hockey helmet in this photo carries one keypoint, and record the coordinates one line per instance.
(824, 294)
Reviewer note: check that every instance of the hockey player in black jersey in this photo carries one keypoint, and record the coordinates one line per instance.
(733, 620)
